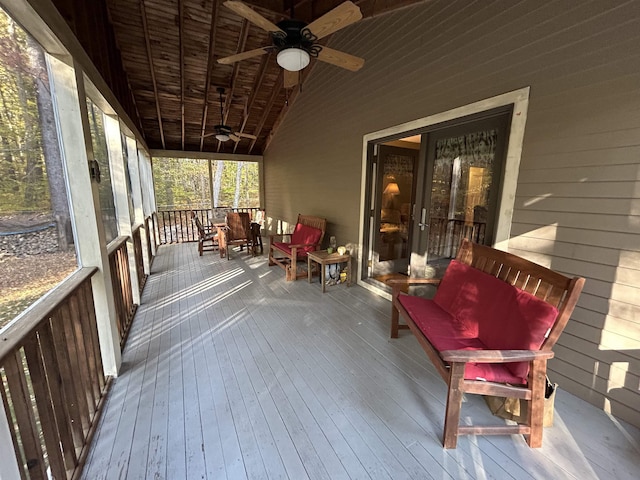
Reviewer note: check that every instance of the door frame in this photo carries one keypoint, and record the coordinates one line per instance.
(519, 99)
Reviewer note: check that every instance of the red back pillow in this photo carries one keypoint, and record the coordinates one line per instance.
(304, 234)
(501, 316)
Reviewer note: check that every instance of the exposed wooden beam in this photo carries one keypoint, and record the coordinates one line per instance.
(257, 85)
(181, 27)
(242, 43)
(210, 64)
(276, 90)
(145, 27)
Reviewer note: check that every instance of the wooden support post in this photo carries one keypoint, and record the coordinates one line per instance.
(68, 90)
(121, 195)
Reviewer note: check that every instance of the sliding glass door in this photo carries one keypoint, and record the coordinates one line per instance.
(428, 191)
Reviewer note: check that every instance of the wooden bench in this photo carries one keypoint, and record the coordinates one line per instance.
(306, 237)
(489, 330)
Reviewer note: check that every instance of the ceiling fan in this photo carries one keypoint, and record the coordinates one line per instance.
(296, 42)
(224, 132)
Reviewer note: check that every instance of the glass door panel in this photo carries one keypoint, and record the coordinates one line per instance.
(429, 191)
(464, 170)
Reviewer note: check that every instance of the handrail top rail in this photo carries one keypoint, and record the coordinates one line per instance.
(23, 324)
(116, 244)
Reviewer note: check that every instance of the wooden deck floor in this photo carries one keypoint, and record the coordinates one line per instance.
(231, 372)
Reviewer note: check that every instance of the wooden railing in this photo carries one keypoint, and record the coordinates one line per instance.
(137, 248)
(445, 235)
(176, 226)
(52, 381)
(121, 283)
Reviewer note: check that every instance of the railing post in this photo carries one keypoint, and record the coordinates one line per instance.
(9, 469)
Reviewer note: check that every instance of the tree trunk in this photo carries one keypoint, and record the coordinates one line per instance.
(236, 198)
(51, 148)
(217, 181)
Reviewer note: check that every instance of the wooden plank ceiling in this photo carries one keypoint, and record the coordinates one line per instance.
(169, 49)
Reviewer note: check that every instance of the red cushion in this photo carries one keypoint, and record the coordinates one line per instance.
(498, 315)
(444, 334)
(305, 235)
(286, 249)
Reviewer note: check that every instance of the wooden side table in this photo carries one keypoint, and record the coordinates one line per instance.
(322, 258)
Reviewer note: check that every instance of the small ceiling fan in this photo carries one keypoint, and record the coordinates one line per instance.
(296, 42)
(224, 132)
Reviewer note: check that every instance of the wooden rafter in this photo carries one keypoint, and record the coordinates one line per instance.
(274, 94)
(210, 64)
(257, 86)
(145, 27)
(242, 42)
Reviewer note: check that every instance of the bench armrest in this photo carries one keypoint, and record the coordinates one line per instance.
(495, 356)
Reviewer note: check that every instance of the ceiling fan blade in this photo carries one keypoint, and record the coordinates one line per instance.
(340, 59)
(254, 17)
(290, 79)
(233, 137)
(245, 135)
(344, 14)
(243, 56)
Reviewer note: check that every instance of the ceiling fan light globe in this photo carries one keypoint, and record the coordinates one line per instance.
(223, 137)
(293, 59)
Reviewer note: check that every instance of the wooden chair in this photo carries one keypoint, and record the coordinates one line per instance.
(306, 237)
(551, 301)
(237, 232)
(207, 241)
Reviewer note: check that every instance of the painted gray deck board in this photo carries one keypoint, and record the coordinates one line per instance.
(230, 372)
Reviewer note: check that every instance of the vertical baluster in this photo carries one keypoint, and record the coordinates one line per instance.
(73, 329)
(42, 395)
(24, 415)
(57, 395)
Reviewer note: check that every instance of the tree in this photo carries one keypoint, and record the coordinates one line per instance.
(51, 147)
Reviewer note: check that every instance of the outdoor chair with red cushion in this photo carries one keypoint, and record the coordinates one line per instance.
(306, 237)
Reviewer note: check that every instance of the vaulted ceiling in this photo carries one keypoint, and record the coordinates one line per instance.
(160, 59)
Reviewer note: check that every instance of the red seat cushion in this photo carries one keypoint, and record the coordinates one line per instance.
(444, 334)
(305, 235)
(488, 313)
(285, 248)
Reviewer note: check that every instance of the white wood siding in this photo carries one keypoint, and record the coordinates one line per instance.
(578, 197)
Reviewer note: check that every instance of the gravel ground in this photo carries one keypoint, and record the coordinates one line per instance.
(30, 263)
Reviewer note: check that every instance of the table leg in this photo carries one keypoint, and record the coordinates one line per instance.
(349, 271)
(309, 263)
(321, 266)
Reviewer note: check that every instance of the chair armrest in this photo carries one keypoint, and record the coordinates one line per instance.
(277, 235)
(300, 245)
(495, 356)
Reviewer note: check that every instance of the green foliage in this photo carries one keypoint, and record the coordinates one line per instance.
(23, 183)
(182, 183)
